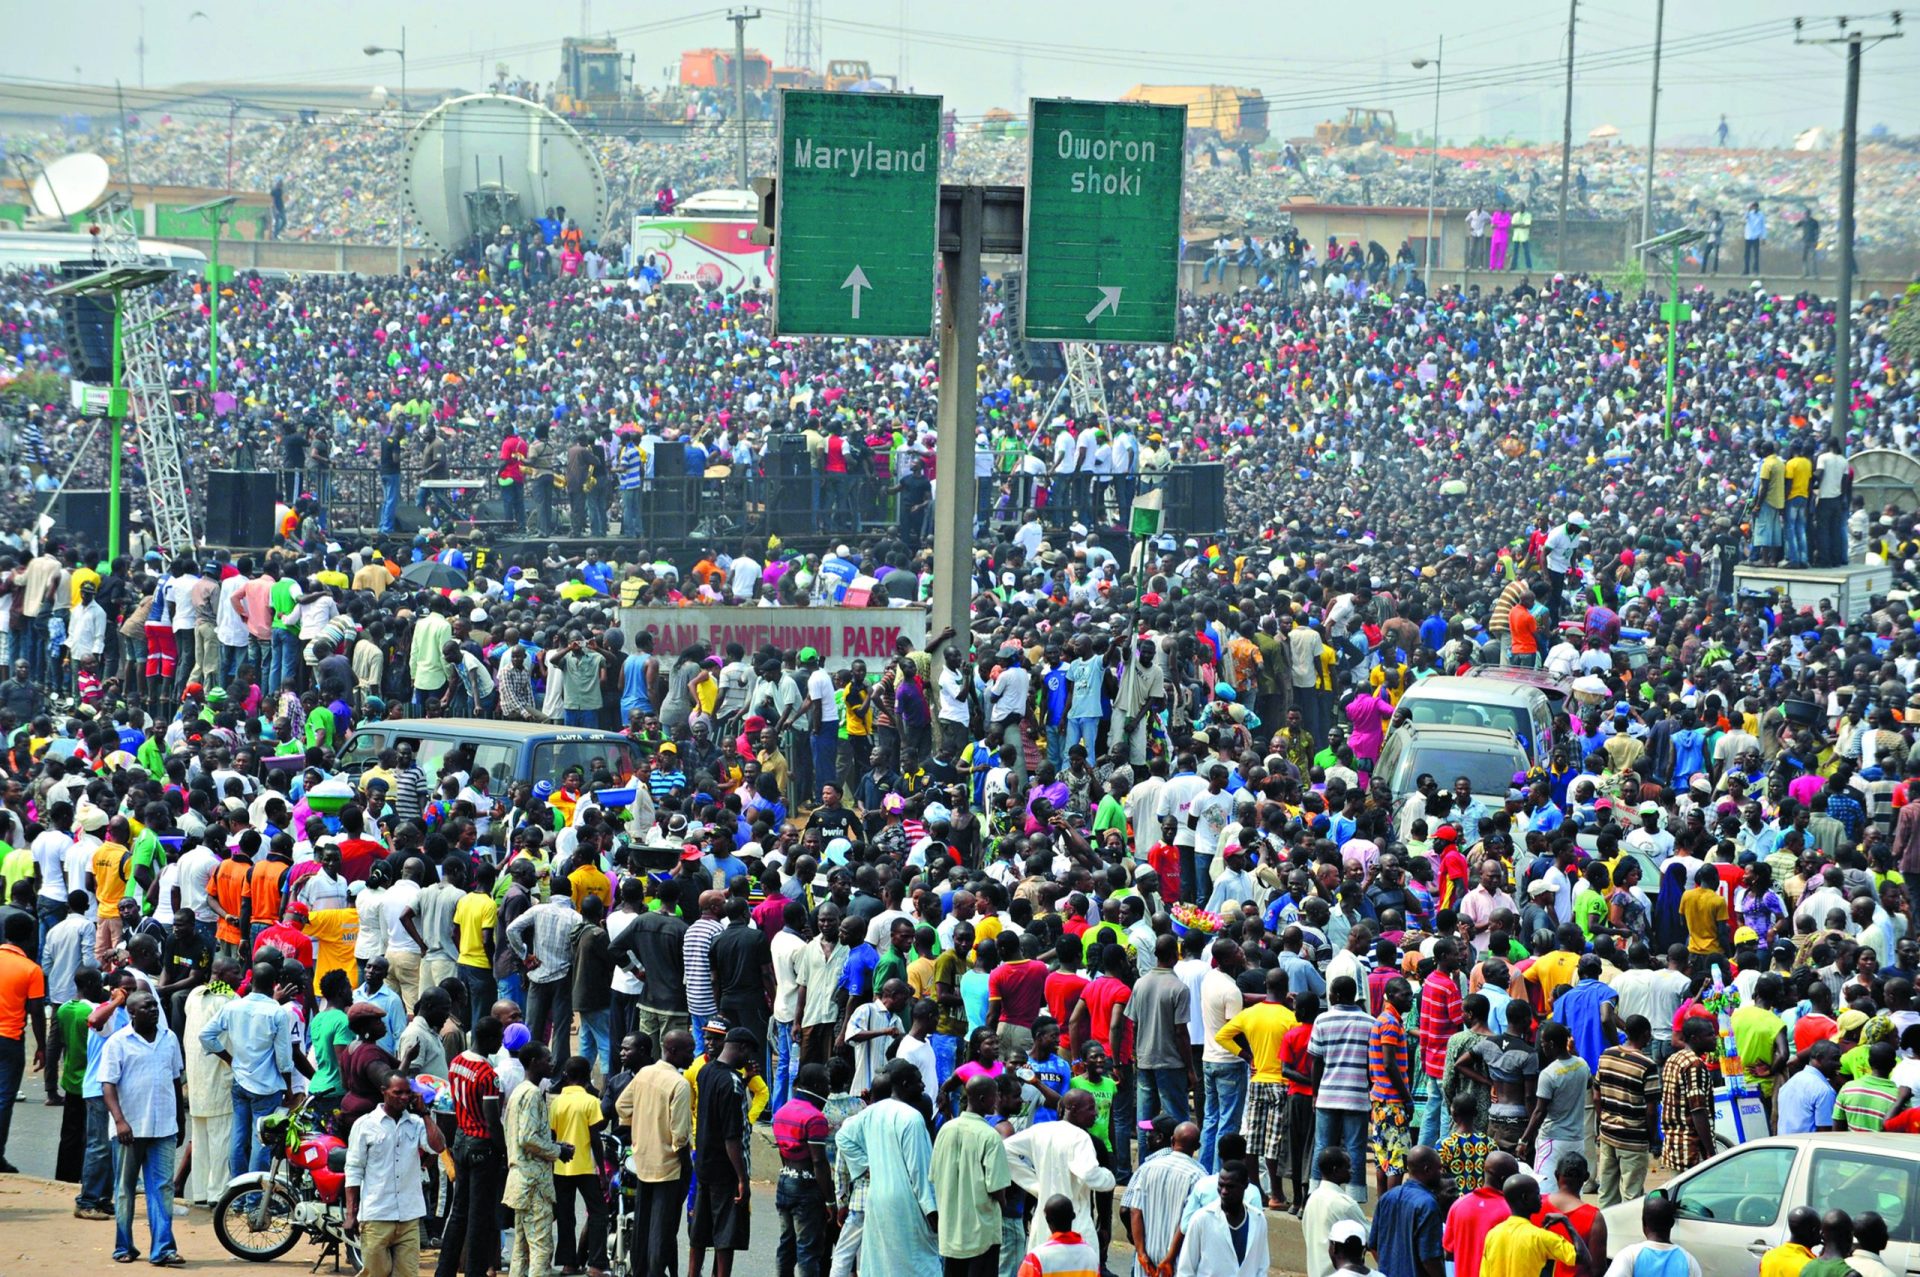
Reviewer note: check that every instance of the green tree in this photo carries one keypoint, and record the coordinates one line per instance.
(1903, 333)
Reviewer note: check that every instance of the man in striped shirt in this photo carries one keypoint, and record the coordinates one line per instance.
(477, 1154)
(1391, 1091)
(1441, 1017)
(701, 1005)
(1866, 1103)
(1338, 1048)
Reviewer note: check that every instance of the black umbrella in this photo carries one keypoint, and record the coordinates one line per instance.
(431, 574)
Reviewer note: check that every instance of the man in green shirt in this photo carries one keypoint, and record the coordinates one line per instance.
(1866, 1103)
(971, 1179)
(579, 667)
(70, 1028)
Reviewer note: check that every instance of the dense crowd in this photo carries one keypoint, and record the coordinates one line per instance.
(1101, 920)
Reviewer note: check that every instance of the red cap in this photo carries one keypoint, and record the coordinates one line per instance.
(1446, 833)
(690, 852)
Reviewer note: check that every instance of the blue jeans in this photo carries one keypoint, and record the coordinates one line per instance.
(594, 1042)
(514, 497)
(50, 912)
(286, 659)
(96, 1167)
(1082, 731)
(389, 500)
(826, 748)
(786, 1065)
(34, 647)
(1226, 1095)
(1436, 1123)
(629, 513)
(580, 717)
(1159, 1091)
(1797, 530)
(151, 1160)
(1057, 746)
(1345, 1127)
(803, 1226)
(246, 1152)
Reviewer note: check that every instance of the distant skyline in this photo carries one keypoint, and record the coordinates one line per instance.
(1736, 58)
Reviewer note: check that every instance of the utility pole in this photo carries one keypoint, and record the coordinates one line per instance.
(1653, 118)
(1566, 146)
(1433, 161)
(1842, 367)
(739, 18)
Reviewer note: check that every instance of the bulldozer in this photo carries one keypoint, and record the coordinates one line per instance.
(1363, 124)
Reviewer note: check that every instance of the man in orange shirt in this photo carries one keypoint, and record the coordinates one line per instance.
(1523, 632)
(229, 892)
(263, 887)
(23, 999)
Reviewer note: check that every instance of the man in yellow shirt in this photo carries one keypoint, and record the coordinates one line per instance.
(334, 933)
(1705, 911)
(1795, 1253)
(574, 1115)
(1258, 1032)
(1798, 473)
(1518, 1247)
(1552, 970)
(1769, 504)
(473, 920)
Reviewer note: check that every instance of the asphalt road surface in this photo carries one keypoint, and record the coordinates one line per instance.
(35, 1137)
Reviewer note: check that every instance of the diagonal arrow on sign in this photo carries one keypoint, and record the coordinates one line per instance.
(856, 280)
(1109, 301)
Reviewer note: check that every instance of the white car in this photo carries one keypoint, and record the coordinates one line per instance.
(1733, 1208)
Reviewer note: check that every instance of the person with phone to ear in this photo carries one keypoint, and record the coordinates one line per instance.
(385, 1164)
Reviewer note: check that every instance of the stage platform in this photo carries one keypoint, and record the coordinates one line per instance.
(1848, 587)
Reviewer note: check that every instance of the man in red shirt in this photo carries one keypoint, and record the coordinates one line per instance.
(1065, 985)
(479, 1153)
(1441, 1017)
(287, 937)
(1016, 993)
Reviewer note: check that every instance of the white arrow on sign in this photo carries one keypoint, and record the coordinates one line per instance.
(856, 280)
(1109, 301)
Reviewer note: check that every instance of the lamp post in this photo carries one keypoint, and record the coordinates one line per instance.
(217, 213)
(1433, 164)
(374, 51)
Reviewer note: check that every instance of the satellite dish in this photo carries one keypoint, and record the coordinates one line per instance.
(478, 163)
(71, 184)
(1883, 476)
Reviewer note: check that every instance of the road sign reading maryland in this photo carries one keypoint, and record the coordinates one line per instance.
(1103, 221)
(857, 212)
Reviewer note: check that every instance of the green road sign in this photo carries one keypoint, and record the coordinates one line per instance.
(856, 216)
(1675, 312)
(1103, 221)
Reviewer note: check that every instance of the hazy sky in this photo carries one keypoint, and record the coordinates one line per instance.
(1732, 56)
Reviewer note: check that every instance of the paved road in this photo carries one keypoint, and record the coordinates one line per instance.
(35, 1137)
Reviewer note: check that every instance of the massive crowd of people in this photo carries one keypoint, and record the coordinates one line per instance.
(1099, 921)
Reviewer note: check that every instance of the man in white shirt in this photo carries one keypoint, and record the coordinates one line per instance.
(385, 1155)
(1008, 696)
(230, 626)
(789, 952)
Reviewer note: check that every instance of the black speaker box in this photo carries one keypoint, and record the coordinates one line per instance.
(1196, 498)
(240, 508)
(80, 517)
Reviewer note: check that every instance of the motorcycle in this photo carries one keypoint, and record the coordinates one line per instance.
(263, 1214)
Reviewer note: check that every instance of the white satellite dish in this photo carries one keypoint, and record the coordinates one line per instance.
(71, 184)
(476, 163)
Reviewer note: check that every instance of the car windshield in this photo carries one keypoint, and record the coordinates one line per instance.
(552, 759)
(1468, 714)
(1488, 772)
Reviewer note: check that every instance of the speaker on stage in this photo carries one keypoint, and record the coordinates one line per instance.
(86, 326)
(80, 517)
(240, 508)
(670, 458)
(1196, 498)
(787, 457)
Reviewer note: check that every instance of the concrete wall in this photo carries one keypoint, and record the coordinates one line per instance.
(323, 256)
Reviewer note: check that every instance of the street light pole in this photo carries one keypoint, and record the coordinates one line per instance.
(1433, 163)
(374, 51)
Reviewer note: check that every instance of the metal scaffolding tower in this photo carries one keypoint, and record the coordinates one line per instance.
(1084, 384)
(144, 375)
(803, 36)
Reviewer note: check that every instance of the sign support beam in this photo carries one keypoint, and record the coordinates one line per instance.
(954, 495)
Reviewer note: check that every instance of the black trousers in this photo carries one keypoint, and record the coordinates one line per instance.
(985, 1264)
(657, 1211)
(73, 1141)
(574, 1245)
(473, 1229)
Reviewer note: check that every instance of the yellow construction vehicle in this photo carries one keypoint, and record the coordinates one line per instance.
(1363, 124)
(1220, 112)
